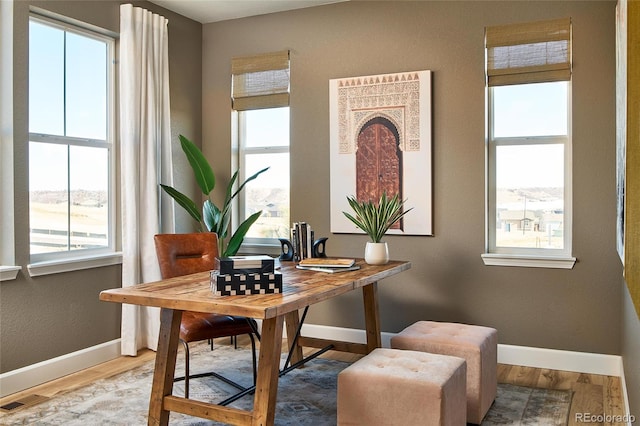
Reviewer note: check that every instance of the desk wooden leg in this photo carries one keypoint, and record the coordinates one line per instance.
(165, 365)
(372, 317)
(293, 321)
(264, 402)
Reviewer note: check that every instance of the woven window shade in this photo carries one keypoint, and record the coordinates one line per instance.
(260, 81)
(533, 52)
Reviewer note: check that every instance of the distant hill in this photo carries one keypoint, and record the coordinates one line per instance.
(79, 197)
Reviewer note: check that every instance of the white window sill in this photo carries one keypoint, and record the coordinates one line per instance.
(8, 273)
(494, 259)
(74, 264)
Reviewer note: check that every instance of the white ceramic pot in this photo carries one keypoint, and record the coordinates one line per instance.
(376, 253)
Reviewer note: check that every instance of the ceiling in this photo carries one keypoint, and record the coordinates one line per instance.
(206, 11)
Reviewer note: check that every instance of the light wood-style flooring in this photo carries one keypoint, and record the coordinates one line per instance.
(593, 394)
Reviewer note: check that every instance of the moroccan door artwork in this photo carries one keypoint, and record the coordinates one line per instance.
(378, 162)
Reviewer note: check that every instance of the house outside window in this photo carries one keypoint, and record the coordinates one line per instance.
(529, 210)
(260, 96)
(71, 150)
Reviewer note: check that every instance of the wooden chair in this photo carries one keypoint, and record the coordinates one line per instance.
(184, 254)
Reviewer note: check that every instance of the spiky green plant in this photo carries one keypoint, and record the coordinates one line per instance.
(213, 219)
(375, 219)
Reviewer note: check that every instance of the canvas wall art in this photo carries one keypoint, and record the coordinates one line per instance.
(380, 136)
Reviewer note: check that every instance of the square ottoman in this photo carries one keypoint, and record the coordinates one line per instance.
(391, 387)
(476, 344)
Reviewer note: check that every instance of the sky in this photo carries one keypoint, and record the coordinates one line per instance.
(530, 110)
(268, 127)
(85, 95)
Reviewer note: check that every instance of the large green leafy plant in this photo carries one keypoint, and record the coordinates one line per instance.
(213, 218)
(375, 219)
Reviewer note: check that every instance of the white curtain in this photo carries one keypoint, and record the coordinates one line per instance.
(145, 147)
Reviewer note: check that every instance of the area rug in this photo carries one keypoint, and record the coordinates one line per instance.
(306, 396)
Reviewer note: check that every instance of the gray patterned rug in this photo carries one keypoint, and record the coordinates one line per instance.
(305, 396)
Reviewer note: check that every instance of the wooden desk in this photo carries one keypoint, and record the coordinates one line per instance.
(300, 289)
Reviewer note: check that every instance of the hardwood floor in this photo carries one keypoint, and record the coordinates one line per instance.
(594, 395)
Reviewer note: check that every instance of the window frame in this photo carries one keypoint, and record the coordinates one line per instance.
(254, 244)
(521, 256)
(46, 263)
(8, 269)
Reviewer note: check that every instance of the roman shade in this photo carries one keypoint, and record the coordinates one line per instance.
(260, 81)
(533, 52)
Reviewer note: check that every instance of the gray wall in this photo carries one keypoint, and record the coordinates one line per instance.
(575, 309)
(53, 315)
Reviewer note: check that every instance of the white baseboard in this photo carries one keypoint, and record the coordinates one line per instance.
(553, 359)
(42, 372)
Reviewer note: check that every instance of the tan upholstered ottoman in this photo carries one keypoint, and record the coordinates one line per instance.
(390, 387)
(477, 345)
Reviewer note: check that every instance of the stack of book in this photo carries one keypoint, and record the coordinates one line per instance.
(326, 264)
(244, 275)
(302, 240)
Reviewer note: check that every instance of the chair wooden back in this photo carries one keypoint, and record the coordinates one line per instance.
(184, 254)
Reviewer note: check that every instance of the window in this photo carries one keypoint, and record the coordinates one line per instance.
(260, 95)
(529, 137)
(71, 153)
(529, 145)
(264, 142)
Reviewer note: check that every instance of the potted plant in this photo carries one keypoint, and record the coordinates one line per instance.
(375, 219)
(213, 219)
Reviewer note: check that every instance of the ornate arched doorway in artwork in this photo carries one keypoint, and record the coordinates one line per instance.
(378, 161)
